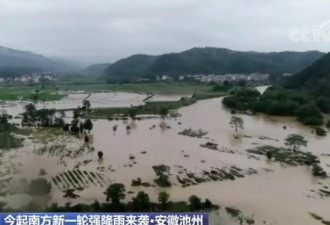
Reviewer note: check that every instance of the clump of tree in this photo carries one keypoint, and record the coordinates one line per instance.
(163, 112)
(132, 112)
(162, 171)
(163, 199)
(242, 99)
(237, 123)
(115, 193)
(225, 86)
(320, 131)
(42, 117)
(86, 105)
(295, 141)
(141, 203)
(88, 125)
(195, 203)
(75, 126)
(278, 102)
(29, 115)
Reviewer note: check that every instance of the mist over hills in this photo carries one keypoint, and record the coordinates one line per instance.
(96, 69)
(17, 62)
(211, 61)
(194, 61)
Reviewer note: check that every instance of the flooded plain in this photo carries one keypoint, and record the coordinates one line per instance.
(269, 192)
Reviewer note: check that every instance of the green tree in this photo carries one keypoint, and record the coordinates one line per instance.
(132, 112)
(163, 198)
(88, 125)
(195, 203)
(30, 110)
(208, 204)
(37, 94)
(295, 141)
(74, 126)
(141, 202)
(163, 112)
(162, 171)
(237, 122)
(115, 192)
(69, 194)
(86, 105)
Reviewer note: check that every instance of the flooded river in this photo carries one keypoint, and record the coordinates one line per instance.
(276, 194)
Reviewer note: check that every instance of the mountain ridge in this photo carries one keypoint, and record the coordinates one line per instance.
(18, 62)
(210, 60)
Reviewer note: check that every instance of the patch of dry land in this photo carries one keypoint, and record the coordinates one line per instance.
(235, 173)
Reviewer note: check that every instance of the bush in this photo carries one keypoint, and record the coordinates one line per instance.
(136, 182)
(208, 204)
(195, 203)
(320, 131)
(328, 124)
(318, 171)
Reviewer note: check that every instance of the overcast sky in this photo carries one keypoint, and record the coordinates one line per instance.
(93, 31)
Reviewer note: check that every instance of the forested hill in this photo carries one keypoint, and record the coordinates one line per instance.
(315, 77)
(16, 62)
(211, 61)
(315, 80)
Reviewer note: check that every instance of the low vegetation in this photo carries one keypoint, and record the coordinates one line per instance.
(193, 133)
(8, 135)
(238, 214)
(317, 217)
(292, 158)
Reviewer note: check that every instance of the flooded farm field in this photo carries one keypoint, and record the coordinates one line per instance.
(98, 100)
(269, 192)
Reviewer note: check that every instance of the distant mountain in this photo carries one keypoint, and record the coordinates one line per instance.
(96, 69)
(16, 62)
(315, 80)
(211, 61)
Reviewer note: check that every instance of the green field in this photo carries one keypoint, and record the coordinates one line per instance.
(29, 93)
(55, 91)
(155, 88)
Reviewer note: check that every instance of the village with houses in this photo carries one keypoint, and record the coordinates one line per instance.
(219, 78)
(32, 78)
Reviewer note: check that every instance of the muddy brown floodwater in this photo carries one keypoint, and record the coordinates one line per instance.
(276, 194)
